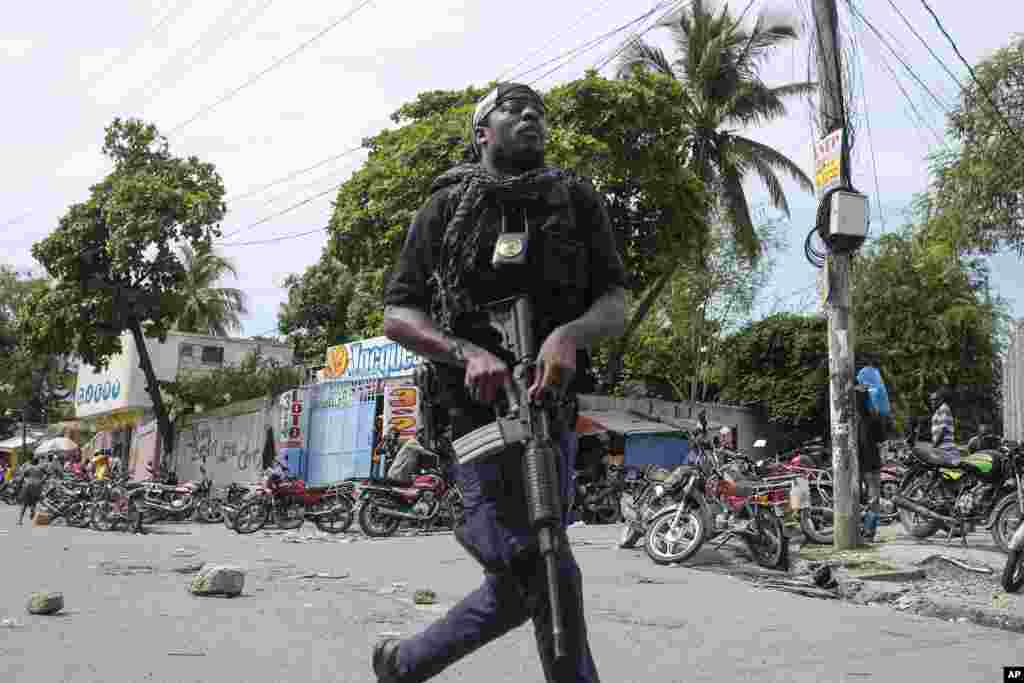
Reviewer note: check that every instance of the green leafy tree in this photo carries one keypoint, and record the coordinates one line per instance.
(209, 309)
(718, 65)
(254, 377)
(930, 314)
(977, 196)
(329, 305)
(114, 256)
(612, 131)
(31, 381)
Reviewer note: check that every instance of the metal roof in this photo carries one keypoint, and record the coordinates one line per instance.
(622, 422)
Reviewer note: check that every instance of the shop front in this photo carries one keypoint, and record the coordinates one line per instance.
(113, 403)
(331, 430)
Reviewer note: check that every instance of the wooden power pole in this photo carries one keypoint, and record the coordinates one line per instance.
(832, 118)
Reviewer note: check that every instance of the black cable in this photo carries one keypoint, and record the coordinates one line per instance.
(293, 174)
(278, 214)
(927, 46)
(974, 76)
(271, 240)
(302, 46)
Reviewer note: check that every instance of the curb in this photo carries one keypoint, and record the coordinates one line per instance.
(949, 610)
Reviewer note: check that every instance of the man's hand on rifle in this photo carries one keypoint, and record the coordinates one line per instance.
(556, 363)
(485, 374)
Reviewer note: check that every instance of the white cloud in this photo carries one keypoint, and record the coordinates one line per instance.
(15, 48)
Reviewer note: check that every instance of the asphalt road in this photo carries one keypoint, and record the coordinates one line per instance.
(128, 616)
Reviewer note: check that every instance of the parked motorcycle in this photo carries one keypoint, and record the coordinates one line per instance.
(647, 492)
(231, 499)
(72, 502)
(116, 505)
(985, 489)
(722, 499)
(597, 501)
(1013, 572)
(384, 504)
(287, 502)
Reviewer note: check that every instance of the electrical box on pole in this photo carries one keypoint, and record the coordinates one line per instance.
(842, 226)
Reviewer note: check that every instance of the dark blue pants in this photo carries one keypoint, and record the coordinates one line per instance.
(514, 588)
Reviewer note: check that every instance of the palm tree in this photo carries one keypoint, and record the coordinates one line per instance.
(209, 309)
(718, 66)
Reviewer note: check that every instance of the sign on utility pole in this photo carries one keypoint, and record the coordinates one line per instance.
(842, 225)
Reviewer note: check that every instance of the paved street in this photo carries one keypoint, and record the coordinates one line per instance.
(128, 616)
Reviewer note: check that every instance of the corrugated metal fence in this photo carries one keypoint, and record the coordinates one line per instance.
(1013, 384)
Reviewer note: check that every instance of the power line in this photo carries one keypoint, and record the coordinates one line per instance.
(188, 55)
(174, 12)
(927, 46)
(970, 70)
(281, 238)
(291, 208)
(231, 93)
(588, 45)
(867, 121)
(543, 47)
(913, 74)
(622, 48)
(294, 174)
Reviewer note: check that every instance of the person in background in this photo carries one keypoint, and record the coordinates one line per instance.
(53, 468)
(870, 435)
(32, 488)
(942, 426)
(100, 464)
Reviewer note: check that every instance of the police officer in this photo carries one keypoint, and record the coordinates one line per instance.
(435, 305)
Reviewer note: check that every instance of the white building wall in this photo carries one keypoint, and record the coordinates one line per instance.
(122, 385)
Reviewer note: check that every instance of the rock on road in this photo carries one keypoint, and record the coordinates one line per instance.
(128, 615)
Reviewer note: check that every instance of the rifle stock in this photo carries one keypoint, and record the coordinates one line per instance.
(526, 422)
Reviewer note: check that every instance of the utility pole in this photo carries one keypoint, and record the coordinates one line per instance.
(832, 180)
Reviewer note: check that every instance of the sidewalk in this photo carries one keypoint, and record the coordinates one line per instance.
(916, 576)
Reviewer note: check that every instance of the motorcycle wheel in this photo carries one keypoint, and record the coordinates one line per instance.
(1013, 572)
(817, 523)
(667, 543)
(914, 524)
(1005, 521)
(337, 517)
(770, 548)
(75, 515)
(453, 508)
(290, 515)
(207, 512)
(101, 518)
(373, 523)
(251, 517)
(227, 515)
(629, 536)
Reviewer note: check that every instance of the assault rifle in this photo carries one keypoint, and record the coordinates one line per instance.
(526, 422)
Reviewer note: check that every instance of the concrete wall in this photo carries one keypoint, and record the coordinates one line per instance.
(1013, 384)
(230, 439)
(751, 423)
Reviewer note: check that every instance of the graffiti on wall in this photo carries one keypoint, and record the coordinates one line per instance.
(230, 447)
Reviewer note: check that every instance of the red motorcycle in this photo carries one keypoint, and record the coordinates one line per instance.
(384, 504)
(288, 503)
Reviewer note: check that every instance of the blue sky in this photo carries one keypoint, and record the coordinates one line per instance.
(173, 62)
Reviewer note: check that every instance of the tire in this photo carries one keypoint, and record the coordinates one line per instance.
(208, 512)
(771, 548)
(1005, 521)
(817, 524)
(912, 523)
(453, 507)
(663, 547)
(1013, 572)
(251, 517)
(338, 516)
(629, 536)
(227, 515)
(77, 515)
(101, 520)
(373, 523)
(290, 515)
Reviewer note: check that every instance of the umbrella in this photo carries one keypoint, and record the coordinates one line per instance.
(58, 444)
